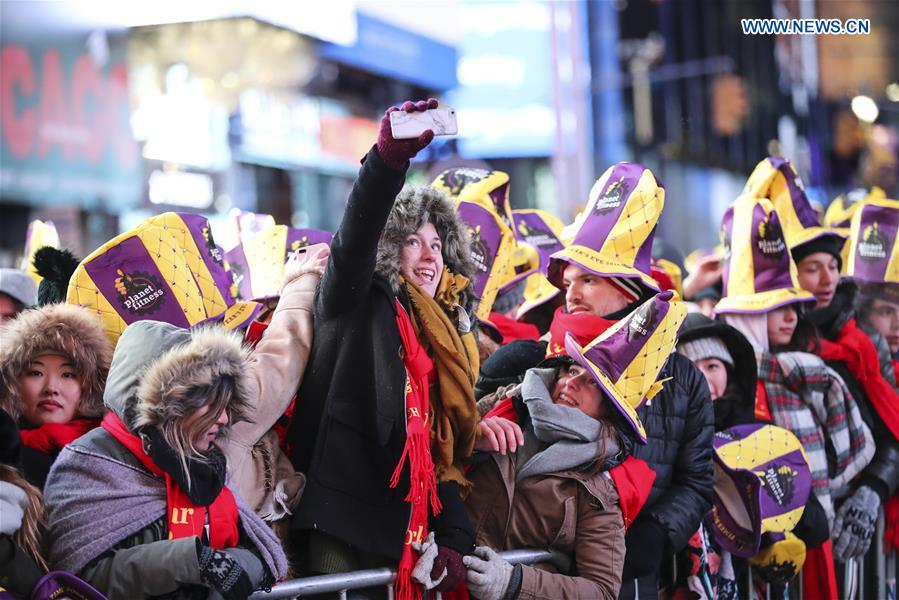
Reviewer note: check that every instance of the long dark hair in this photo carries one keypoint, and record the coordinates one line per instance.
(806, 337)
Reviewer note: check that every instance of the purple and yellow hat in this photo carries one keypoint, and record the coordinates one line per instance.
(762, 483)
(140, 274)
(758, 270)
(873, 247)
(490, 189)
(542, 233)
(614, 234)
(626, 358)
(206, 262)
(482, 200)
(776, 178)
(264, 255)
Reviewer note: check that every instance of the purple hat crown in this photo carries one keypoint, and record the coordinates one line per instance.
(613, 354)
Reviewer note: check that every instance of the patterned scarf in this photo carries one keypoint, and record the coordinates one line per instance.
(809, 399)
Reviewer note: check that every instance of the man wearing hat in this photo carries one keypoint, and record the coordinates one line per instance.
(817, 252)
(604, 274)
(17, 292)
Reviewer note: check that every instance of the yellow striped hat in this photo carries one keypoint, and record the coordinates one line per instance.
(482, 200)
(257, 264)
(140, 274)
(776, 178)
(873, 247)
(762, 483)
(614, 234)
(759, 274)
(626, 358)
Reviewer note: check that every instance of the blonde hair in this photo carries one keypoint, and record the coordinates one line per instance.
(31, 535)
(217, 396)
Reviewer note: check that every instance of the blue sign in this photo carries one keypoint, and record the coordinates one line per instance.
(504, 100)
(395, 52)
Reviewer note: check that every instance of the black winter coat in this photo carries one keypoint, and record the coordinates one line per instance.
(882, 473)
(348, 429)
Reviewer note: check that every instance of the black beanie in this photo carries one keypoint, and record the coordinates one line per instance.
(56, 267)
(826, 243)
(508, 364)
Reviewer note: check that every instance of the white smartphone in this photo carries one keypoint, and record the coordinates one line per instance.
(442, 121)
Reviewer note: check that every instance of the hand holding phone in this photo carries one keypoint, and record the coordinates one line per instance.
(408, 125)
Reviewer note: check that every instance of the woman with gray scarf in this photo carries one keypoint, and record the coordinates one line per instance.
(578, 416)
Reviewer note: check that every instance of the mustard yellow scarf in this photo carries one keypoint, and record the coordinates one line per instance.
(455, 417)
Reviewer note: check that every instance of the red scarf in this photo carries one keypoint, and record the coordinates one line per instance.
(514, 330)
(185, 518)
(417, 450)
(583, 326)
(52, 437)
(855, 350)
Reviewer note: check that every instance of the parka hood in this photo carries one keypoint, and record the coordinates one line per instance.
(415, 206)
(697, 326)
(64, 330)
(156, 365)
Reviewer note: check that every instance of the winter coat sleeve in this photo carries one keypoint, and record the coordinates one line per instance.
(598, 553)
(689, 497)
(276, 367)
(145, 570)
(351, 265)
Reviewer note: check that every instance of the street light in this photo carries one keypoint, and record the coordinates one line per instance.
(865, 109)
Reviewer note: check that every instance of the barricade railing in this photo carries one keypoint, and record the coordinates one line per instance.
(341, 583)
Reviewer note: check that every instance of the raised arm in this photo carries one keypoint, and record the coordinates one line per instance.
(351, 267)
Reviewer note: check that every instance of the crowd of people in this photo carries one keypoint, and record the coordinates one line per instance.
(448, 379)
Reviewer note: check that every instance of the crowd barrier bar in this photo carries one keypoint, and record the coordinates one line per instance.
(354, 580)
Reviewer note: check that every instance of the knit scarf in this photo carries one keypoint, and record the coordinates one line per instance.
(565, 437)
(416, 451)
(454, 425)
(853, 348)
(810, 400)
(185, 518)
(51, 438)
(585, 327)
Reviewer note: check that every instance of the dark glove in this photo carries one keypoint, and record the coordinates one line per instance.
(396, 153)
(223, 573)
(854, 524)
(448, 559)
(646, 547)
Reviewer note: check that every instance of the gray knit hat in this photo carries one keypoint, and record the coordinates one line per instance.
(706, 347)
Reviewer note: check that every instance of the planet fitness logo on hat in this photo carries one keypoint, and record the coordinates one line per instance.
(771, 240)
(456, 179)
(777, 481)
(479, 251)
(214, 251)
(873, 245)
(140, 293)
(612, 197)
(643, 321)
(537, 236)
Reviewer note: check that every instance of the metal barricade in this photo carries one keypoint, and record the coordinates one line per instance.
(341, 583)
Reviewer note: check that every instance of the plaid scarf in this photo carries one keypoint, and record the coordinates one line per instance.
(809, 399)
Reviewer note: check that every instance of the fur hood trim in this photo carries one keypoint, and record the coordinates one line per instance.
(63, 329)
(415, 206)
(164, 393)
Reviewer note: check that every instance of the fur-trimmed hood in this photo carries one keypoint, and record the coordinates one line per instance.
(415, 206)
(156, 365)
(63, 329)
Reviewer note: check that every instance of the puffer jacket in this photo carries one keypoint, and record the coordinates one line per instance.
(882, 473)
